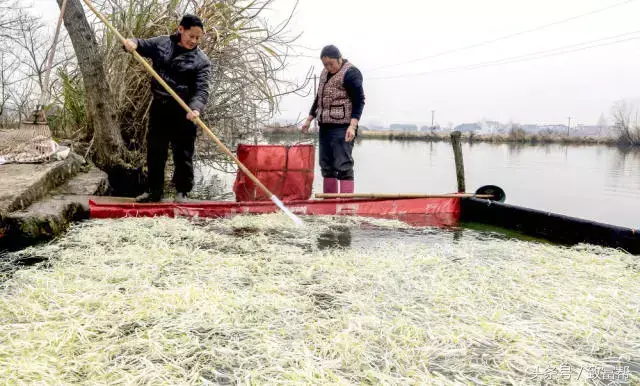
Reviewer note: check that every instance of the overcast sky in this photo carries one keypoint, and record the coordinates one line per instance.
(381, 38)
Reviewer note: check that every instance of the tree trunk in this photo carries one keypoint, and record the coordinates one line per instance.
(107, 139)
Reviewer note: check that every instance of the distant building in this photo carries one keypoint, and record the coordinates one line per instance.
(592, 131)
(468, 127)
(426, 128)
(403, 127)
(553, 128)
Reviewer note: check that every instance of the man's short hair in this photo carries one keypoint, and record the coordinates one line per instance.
(189, 21)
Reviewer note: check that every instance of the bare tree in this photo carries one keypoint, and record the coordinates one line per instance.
(625, 116)
(517, 133)
(10, 17)
(24, 99)
(8, 69)
(108, 144)
(10, 82)
(30, 37)
(25, 44)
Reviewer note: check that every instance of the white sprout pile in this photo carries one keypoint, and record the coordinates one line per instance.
(253, 300)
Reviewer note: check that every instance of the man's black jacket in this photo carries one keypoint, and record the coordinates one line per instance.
(187, 72)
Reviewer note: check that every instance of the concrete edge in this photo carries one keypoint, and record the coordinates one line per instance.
(53, 179)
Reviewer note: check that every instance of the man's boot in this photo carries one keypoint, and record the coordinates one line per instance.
(181, 197)
(148, 197)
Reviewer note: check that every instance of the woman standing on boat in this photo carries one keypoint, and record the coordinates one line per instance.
(338, 107)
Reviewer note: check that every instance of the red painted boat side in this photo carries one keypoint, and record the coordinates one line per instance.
(416, 211)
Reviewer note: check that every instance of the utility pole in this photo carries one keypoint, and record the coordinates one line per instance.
(433, 116)
(569, 127)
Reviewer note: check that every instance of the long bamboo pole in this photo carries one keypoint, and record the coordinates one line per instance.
(198, 121)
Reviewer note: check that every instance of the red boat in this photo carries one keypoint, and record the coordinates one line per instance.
(288, 172)
(416, 211)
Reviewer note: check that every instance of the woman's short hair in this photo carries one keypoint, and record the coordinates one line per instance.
(330, 51)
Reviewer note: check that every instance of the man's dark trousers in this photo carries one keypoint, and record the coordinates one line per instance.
(168, 124)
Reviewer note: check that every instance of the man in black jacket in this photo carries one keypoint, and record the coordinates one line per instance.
(186, 69)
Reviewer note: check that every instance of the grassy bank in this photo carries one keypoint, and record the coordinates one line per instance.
(491, 138)
(515, 138)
